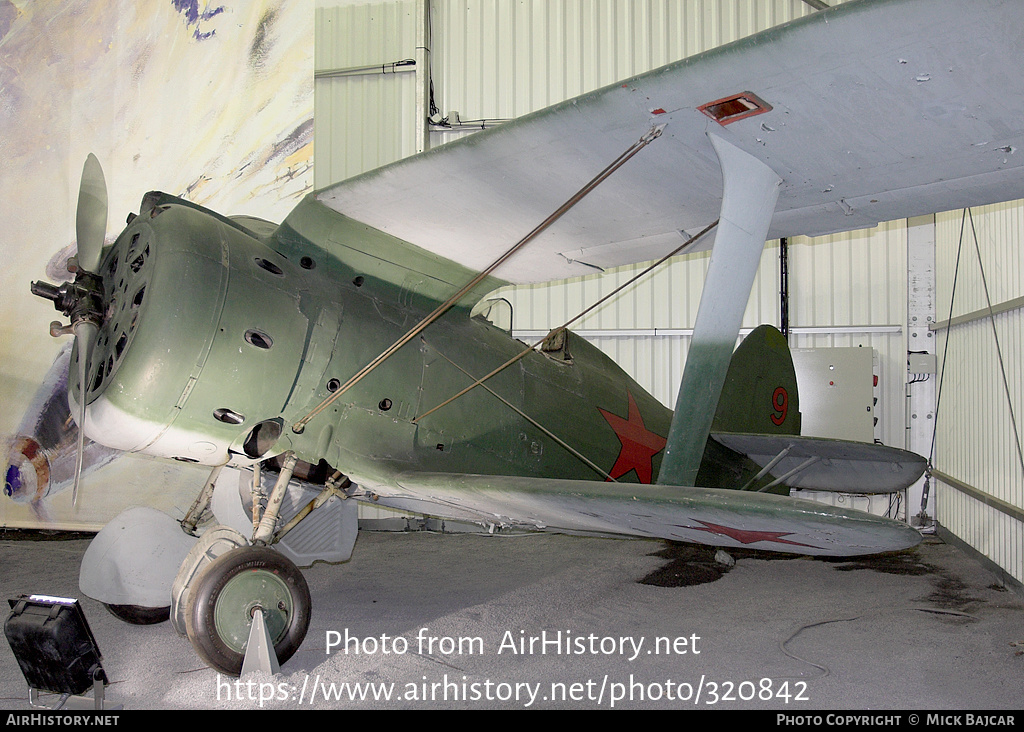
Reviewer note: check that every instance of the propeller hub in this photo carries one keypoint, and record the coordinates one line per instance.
(81, 300)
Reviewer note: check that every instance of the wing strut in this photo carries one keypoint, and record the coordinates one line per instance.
(751, 190)
(767, 468)
(795, 471)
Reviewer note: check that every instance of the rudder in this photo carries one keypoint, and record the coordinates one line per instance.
(760, 393)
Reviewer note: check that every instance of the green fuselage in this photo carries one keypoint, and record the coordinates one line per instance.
(221, 334)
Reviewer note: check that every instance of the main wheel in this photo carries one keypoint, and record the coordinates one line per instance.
(230, 590)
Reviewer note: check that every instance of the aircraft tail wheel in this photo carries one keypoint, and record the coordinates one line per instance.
(230, 590)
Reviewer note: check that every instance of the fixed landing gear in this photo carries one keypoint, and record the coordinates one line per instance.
(217, 580)
(220, 591)
(227, 594)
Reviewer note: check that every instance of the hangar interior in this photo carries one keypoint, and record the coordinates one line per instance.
(908, 333)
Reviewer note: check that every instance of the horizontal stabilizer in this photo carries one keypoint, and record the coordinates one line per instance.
(725, 518)
(821, 464)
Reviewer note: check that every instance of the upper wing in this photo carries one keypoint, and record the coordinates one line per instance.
(699, 515)
(879, 110)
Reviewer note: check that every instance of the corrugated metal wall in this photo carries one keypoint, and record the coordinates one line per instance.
(494, 60)
(498, 59)
(980, 494)
(363, 120)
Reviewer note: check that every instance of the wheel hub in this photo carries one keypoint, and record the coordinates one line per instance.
(244, 595)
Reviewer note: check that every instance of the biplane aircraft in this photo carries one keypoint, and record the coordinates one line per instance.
(329, 347)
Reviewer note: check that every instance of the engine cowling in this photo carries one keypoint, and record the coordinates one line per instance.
(201, 342)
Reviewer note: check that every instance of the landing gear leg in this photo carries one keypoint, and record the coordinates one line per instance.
(225, 595)
(202, 502)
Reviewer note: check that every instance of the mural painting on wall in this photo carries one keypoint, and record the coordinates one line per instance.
(212, 102)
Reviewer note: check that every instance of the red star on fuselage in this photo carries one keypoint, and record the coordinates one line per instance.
(639, 445)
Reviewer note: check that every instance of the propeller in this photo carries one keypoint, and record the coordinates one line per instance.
(91, 218)
(82, 299)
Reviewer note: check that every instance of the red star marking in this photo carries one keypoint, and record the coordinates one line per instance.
(746, 537)
(639, 445)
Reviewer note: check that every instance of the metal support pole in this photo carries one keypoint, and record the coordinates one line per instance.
(422, 129)
(784, 287)
(921, 395)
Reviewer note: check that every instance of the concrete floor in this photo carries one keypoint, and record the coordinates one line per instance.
(927, 630)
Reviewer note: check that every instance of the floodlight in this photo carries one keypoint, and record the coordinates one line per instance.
(56, 650)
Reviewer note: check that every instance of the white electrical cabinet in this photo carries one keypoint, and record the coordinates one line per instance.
(837, 392)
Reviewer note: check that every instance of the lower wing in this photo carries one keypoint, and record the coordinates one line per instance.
(725, 518)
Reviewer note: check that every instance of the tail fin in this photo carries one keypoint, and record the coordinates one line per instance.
(760, 393)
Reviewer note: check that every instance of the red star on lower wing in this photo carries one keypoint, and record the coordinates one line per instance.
(639, 445)
(746, 537)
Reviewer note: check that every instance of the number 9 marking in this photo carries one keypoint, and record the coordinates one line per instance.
(780, 406)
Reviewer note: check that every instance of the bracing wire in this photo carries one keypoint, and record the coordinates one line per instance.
(647, 138)
(945, 345)
(685, 245)
(999, 350)
(968, 216)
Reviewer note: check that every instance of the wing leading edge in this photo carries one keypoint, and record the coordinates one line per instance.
(698, 515)
(879, 110)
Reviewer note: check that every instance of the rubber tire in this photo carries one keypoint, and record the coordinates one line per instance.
(207, 598)
(139, 615)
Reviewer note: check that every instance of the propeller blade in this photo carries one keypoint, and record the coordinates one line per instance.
(85, 337)
(91, 219)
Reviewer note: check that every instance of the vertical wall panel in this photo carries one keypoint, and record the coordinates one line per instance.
(363, 121)
(976, 443)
